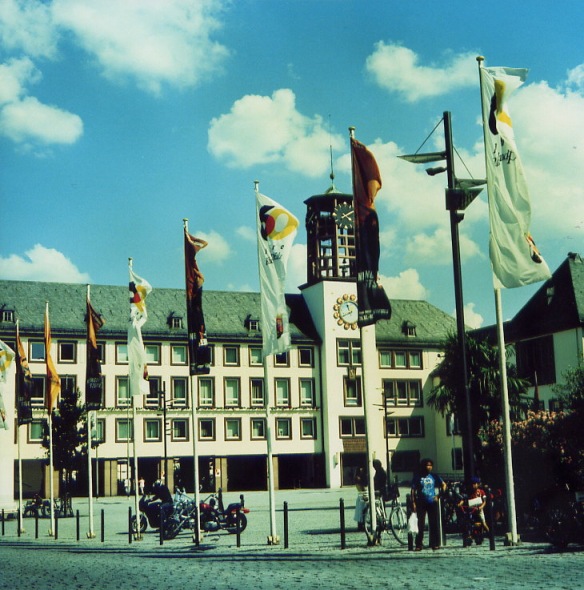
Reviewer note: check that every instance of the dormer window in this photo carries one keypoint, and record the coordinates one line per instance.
(251, 324)
(409, 329)
(7, 315)
(175, 322)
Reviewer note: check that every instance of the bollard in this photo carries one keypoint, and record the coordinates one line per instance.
(342, 518)
(196, 539)
(102, 525)
(18, 522)
(285, 525)
(161, 527)
(36, 525)
(2, 521)
(490, 519)
(441, 516)
(56, 525)
(238, 529)
(77, 517)
(129, 525)
(408, 514)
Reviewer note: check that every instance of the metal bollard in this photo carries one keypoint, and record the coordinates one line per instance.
(77, 523)
(36, 525)
(56, 525)
(2, 521)
(441, 516)
(161, 528)
(129, 525)
(342, 518)
(238, 530)
(102, 525)
(18, 522)
(285, 525)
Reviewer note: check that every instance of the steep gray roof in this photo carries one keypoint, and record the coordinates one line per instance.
(225, 312)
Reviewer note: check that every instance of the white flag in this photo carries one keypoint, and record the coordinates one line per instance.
(137, 371)
(6, 358)
(515, 258)
(277, 229)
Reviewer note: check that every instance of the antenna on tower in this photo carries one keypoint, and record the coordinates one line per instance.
(332, 188)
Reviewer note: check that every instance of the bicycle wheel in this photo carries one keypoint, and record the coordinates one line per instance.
(398, 523)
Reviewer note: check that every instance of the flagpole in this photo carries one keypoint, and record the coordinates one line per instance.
(51, 482)
(365, 333)
(18, 393)
(194, 430)
(508, 457)
(90, 533)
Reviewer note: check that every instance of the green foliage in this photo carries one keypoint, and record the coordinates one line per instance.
(69, 435)
(571, 390)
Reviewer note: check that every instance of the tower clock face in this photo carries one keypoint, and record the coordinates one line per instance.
(344, 215)
(346, 311)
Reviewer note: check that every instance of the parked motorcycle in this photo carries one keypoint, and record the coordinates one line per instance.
(214, 516)
(149, 514)
(563, 520)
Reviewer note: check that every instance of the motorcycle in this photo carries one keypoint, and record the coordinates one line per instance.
(214, 516)
(563, 520)
(149, 514)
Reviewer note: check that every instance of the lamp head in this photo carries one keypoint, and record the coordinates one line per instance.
(435, 170)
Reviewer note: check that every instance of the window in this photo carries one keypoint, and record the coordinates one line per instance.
(207, 429)
(405, 461)
(400, 359)
(152, 430)
(257, 393)
(152, 354)
(307, 428)
(352, 427)
(178, 354)
(281, 360)
(307, 398)
(175, 322)
(456, 458)
(179, 429)
(36, 431)
(536, 356)
(348, 352)
(305, 358)
(179, 392)
(352, 392)
(68, 383)
(121, 353)
(37, 398)
(98, 431)
(232, 392)
(206, 392)
(36, 351)
(232, 429)
(67, 352)
(122, 392)
(7, 315)
(405, 427)
(258, 428)
(452, 425)
(283, 392)
(402, 392)
(101, 352)
(255, 355)
(156, 398)
(283, 428)
(124, 430)
(231, 356)
(556, 405)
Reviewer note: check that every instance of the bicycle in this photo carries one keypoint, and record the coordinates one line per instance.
(397, 522)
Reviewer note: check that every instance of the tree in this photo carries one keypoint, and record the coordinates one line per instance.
(483, 382)
(69, 437)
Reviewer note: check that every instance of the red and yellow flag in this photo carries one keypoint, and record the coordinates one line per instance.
(54, 379)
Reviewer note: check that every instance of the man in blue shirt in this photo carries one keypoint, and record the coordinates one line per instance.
(425, 489)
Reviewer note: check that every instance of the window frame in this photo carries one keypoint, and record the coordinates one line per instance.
(61, 344)
(285, 402)
(235, 349)
(354, 353)
(253, 400)
(130, 425)
(251, 351)
(281, 421)
(261, 421)
(312, 435)
(226, 382)
(34, 351)
(150, 421)
(227, 422)
(123, 379)
(358, 397)
(306, 350)
(179, 402)
(353, 421)
(211, 381)
(173, 357)
(173, 423)
(211, 422)
(303, 402)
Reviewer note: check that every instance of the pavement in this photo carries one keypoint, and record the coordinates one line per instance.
(313, 559)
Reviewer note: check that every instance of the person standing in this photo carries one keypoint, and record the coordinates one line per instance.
(380, 479)
(426, 487)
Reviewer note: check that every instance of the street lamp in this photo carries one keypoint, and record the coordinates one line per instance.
(459, 195)
(162, 407)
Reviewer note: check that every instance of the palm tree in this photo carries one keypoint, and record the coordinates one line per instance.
(447, 397)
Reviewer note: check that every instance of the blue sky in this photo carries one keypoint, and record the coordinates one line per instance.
(119, 118)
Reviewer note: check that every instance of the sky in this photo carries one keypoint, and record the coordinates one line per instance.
(120, 118)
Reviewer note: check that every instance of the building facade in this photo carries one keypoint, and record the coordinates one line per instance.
(311, 396)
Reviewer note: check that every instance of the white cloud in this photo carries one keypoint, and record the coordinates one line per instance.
(406, 285)
(472, 319)
(296, 272)
(41, 264)
(270, 130)
(28, 119)
(156, 42)
(28, 27)
(396, 69)
(247, 233)
(218, 249)
(436, 249)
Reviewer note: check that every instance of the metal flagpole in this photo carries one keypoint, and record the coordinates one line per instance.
(18, 393)
(194, 430)
(509, 480)
(273, 539)
(51, 482)
(90, 417)
(368, 410)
